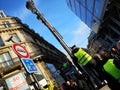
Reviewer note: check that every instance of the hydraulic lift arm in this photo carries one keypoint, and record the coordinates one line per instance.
(31, 6)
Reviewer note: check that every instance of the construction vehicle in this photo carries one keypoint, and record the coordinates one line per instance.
(31, 6)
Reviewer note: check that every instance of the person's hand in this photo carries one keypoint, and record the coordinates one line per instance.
(113, 49)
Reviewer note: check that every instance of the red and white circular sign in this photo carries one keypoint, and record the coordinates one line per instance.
(20, 50)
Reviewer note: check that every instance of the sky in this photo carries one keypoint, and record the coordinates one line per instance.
(71, 28)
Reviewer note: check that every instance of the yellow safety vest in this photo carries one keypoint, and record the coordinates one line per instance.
(82, 56)
(111, 69)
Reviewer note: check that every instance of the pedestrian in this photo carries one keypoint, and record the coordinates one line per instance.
(73, 85)
(99, 69)
(84, 62)
(66, 85)
(112, 68)
(82, 85)
(81, 55)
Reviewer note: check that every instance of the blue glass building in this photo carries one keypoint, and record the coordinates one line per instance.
(102, 17)
(89, 11)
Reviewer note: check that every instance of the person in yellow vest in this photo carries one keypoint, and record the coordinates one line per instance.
(112, 73)
(112, 68)
(82, 57)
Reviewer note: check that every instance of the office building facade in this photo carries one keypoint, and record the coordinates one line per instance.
(89, 11)
(102, 17)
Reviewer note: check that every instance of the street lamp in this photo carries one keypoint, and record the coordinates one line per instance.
(31, 6)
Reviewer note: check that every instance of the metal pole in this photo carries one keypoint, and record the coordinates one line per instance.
(31, 6)
(34, 77)
(32, 74)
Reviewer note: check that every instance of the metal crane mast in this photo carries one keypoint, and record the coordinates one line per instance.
(31, 6)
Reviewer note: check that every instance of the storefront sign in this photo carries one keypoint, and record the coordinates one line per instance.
(17, 82)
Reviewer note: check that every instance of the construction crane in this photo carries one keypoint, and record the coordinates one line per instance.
(31, 6)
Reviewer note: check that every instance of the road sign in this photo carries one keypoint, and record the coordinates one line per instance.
(20, 50)
(29, 65)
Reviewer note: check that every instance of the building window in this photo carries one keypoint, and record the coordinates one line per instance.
(15, 38)
(1, 42)
(5, 60)
(1, 15)
(6, 24)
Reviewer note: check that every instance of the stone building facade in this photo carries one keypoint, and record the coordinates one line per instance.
(12, 30)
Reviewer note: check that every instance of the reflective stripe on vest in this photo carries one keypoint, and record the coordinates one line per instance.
(82, 56)
(111, 69)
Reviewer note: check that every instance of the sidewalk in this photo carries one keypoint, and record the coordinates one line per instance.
(105, 88)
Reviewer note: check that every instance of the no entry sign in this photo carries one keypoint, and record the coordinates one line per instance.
(20, 50)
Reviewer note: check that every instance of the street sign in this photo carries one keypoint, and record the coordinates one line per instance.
(29, 65)
(20, 50)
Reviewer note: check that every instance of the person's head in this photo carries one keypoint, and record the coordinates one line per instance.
(74, 48)
(118, 45)
(102, 52)
(68, 82)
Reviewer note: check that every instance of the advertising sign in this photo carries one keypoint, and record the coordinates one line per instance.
(17, 82)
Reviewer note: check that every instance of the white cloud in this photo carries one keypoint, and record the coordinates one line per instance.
(80, 35)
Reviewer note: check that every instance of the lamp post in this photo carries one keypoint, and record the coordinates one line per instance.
(37, 87)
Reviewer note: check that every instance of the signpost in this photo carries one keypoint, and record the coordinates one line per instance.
(29, 65)
(20, 50)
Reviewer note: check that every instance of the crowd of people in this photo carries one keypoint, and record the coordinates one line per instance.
(75, 84)
(99, 63)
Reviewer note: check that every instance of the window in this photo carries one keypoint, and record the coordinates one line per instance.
(15, 38)
(6, 24)
(1, 15)
(1, 42)
(5, 60)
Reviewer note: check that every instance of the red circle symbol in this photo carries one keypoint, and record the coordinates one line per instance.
(20, 50)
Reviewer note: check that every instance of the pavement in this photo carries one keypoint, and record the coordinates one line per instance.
(105, 88)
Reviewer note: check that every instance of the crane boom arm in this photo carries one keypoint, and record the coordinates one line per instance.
(30, 5)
